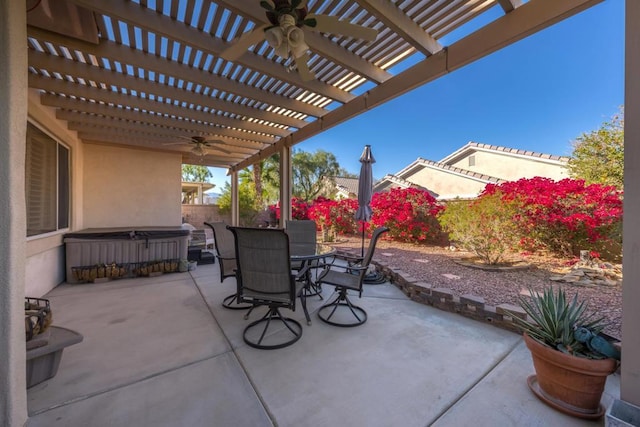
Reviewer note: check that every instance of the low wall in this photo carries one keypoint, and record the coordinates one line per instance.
(471, 306)
(197, 215)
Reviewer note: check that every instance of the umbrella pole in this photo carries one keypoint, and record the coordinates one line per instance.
(362, 248)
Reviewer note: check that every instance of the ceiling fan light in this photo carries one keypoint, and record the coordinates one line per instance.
(295, 39)
(198, 150)
(274, 36)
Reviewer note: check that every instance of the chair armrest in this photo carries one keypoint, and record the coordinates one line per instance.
(351, 259)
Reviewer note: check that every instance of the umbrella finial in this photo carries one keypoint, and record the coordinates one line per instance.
(367, 156)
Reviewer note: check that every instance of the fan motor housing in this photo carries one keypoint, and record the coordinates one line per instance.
(283, 7)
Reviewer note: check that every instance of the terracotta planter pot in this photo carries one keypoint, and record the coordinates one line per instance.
(573, 385)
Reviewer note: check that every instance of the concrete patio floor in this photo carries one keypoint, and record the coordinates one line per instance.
(162, 351)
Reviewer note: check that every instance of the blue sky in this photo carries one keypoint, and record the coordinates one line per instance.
(538, 94)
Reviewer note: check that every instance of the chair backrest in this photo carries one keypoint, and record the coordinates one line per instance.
(223, 242)
(368, 256)
(264, 268)
(302, 236)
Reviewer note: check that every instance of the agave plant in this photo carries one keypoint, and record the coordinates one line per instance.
(564, 324)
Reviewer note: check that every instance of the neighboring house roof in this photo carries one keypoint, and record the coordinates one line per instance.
(451, 178)
(421, 163)
(395, 181)
(191, 190)
(471, 146)
(346, 186)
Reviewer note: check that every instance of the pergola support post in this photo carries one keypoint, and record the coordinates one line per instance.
(235, 199)
(285, 184)
(630, 381)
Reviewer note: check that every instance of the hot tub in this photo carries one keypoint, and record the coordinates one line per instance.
(123, 248)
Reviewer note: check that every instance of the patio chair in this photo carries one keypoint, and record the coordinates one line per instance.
(349, 277)
(302, 241)
(223, 242)
(264, 278)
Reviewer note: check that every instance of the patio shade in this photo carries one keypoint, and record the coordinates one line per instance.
(365, 189)
(365, 185)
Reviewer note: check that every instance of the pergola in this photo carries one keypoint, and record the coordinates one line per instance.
(150, 74)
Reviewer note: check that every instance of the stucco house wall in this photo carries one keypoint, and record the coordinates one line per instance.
(510, 167)
(110, 187)
(447, 184)
(466, 171)
(45, 253)
(130, 187)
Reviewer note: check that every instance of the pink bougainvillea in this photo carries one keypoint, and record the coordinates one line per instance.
(564, 216)
(410, 214)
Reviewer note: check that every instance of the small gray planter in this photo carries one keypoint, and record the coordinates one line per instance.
(43, 362)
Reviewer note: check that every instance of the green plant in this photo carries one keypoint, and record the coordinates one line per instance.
(564, 324)
(484, 226)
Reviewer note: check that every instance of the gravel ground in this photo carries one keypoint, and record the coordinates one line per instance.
(436, 266)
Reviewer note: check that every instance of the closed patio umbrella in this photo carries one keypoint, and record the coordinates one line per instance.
(365, 189)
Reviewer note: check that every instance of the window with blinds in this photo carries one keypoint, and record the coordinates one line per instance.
(46, 183)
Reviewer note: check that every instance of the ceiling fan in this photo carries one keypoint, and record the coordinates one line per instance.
(288, 19)
(200, 145)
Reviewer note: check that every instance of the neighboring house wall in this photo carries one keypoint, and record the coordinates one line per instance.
(510, 167)
(467, 171)
(197, 215)
(45, 254)
(447, 184)
(129, 187)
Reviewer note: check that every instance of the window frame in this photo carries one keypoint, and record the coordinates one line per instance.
(67, 147)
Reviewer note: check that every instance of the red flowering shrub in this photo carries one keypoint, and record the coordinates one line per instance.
(299, 209)
(410, 214)
(338, 215)
(564, 216)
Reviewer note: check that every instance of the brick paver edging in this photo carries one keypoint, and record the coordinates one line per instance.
(471, 306)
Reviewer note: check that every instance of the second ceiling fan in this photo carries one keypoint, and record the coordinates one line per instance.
(200, 145)
(285, 34)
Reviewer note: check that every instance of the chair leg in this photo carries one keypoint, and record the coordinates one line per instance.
(342, 300)
(231, 302)
(273, 313)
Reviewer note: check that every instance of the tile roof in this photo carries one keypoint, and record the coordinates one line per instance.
(473, 146)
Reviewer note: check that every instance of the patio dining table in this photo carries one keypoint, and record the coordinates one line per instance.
(305, 257)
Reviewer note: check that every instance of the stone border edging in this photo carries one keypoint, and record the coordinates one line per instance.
(486, 267)
(471, 306)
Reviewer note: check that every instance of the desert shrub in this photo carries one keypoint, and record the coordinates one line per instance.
(484, 226)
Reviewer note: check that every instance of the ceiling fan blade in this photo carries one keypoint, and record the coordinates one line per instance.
(331, 24)
(175, 143)
(303, 69)
(222, 150)
(282, 51)
(245, 41)
(215, 145)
